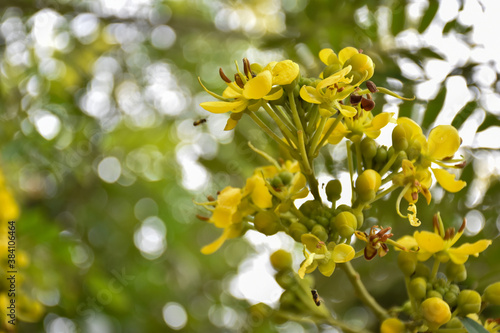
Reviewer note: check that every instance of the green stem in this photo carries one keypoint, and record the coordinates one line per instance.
(284, 130)
(284, 117)
(329, 131)
(312, 120)
(295, 113)
(435, 268)
(410, 296)
(382, 194)
(317, 136)
(359, 158)
(313, 183)
(350, 164)
(276, 138)
(389, 163)
(362, 293)
(303, 152)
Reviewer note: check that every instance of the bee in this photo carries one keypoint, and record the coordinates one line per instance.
(199, 122)
(316, 298)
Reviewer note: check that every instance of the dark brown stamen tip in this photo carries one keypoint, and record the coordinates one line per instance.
(218, 192)
(360, 51)
(435, 222)
(461, 165)
(367, 104)
(223, 76)
(246, 68)
(341, 102)
(371, 86)
(462, 227)
(210, 198)
(203, 218)
(340, 89)
(238, 80)
(355, 99)
(414, 196)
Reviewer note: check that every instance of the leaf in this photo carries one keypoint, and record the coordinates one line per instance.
(490, 120)
(429, 15)
(463, 114)
(398, 18)
(434, 107)
(429, 53)
(472, 327)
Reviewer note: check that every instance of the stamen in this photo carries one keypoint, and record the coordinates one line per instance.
(355, 99)
(210, 198)
(367, 104)
(203, 218)
(461, 165)
(223, 76)
(239, 81)
(246, 68)
(462, 227)
(371, 86)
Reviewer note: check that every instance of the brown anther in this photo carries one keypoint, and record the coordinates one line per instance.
(203, 218)
(340, 89)
(414, 196)
(218, 192)
(360, 51)
(238, 81)
(369, 96)
(462, 227)
(367, 104)
(461, 165)
(341, 102)
(447, 233)
(320, 243)
(210, 198)
(355, 99)
(246, 68)
(223, 76)
(371, 86)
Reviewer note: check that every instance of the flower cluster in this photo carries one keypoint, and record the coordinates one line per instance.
(338, 107)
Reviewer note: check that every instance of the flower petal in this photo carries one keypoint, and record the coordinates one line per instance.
(429, 241)
(443, 141)
(327, 268)
(343, 253)
(460, 254)
(285, 72)
(334, 78)
(313, 243)
(306, 264)
(274, 94)
(310, 94)
(259, 86)
(447, 180)
(229, 197)
(223, 107)
(346, 53)
(324, 55)
(214, 246)
(348, 111)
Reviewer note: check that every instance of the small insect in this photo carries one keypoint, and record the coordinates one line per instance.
(316, 298)
(199, 122)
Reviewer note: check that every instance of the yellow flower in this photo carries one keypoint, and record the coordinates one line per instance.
(226, 216)
(362, 65)
(414, 181)
(436, 312)
(329, 92)
(392, 325)
(440, 244)
(318, 255)
(492, 325)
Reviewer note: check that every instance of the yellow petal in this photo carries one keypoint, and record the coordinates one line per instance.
(380, 120)
(269, 66)
(324, 55)
(259, 86)
(334, 78)
(429, 241)
(305, 265)
(343, 253)
(447, 180)
(298, 183)
(232, 91)
(222, 217)
(327, 268)
(223, 107)
(411, 128)
(311, 242)
(346, 53)
(348, 111)
(460, 254)
(211, 248)
(408, 242)
(310, 94)
(274, 94)
(285, 72)
(260, 194)
(229, 197)
(443, 142)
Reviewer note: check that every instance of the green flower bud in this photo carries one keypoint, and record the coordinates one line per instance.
(342, 208)
(433, 293)
(368, 148)
(276, 182)
(468, 301)
(414, 150)
(296, 230)
(320, 232)
(422, 270)
(450, 298)
(407, 262)
(418, 288)
(435, 312)
(345, 223)
(456, 272)
(309, 223)
(281, 260)
(368, 184)
(260, 311)
(285, 279)
(288, 299)
(308, 208)
(286, 177)
(392, 325)
(267, 223)
(399, 160)
(492, 294)
(333, 190)
(360, 218)
(323, 221)
(454, 289)
(381, 156)
(454, 323)
(440, 290)
(362, 67)
(399, 141)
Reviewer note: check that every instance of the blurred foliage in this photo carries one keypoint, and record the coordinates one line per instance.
(97, 101)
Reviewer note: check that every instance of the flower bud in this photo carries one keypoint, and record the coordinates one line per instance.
(281, 260)
(450, 298)
(308, 208)
(286, 177)
(276, 182)
(320, 232)
(418, 288)
(324, 221)
(492, 294)
(433, 293)
(267, 223)
(414, 150)
(399, 141)
(468, 301)
(333, 190)
(368, 148)
(399, 160)
(362, 67)
(345, 223)
(285, 279)
(392, 325)
(454, 289)
(368, 184)
(381, 156)
(407, 262)
(456, 272)
(360, 218)
(422, 270)
(260, 311)
(296, 230)
(436, 312)
(454, 323)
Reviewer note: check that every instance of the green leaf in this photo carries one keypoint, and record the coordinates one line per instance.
(472, 327)
(434, 107)
(398, 18)
(429, 53)
(463, 114)
(429, 15)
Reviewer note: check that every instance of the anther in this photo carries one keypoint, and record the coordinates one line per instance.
(355, 99)
(210, 198)
(367, 104)
(223, 76)
(462, 227)
(246, 68)
(461, 165)
(238, 81)
(371, 86)
(203, 218)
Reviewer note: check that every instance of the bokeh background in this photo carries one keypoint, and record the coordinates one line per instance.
(97, 143)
